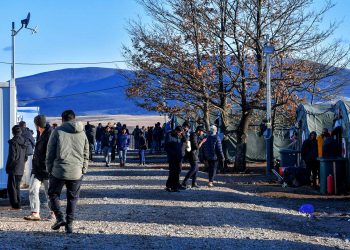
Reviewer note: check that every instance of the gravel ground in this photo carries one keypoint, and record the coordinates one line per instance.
(129, 209)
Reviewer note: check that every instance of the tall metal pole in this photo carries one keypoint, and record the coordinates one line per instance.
(268, 50)
(13, 51)
(13, 90)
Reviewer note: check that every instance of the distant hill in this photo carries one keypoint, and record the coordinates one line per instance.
(36, 90)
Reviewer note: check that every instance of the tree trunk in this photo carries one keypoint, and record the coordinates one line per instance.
(206, 115)
(241, 146)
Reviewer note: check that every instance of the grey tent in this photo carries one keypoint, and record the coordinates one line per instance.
(314, 118)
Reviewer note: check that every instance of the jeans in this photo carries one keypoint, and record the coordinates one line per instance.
(34, 191)
(27, 170)
(213, 165)
(192, 172)
(173, 181)
(142, 156)
(107, 151)
(98, 147)
(122, 155)
(73, 190)
(14, 191)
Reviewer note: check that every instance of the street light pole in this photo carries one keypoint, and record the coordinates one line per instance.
(268, 51)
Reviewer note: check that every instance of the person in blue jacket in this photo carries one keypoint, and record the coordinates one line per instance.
(213, 153)
(123, 146)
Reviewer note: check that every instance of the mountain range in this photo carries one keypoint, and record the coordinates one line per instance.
(88, 91)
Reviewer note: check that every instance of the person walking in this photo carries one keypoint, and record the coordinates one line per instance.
(213, 153)
(142, 148)
(39, 174)
(28, 135)
(173, 147)
(122, 146)
(99, 134)
(15, 166)
(149, 138)
(108, 142)
(309, 153)
(67, 160)
(196, 144)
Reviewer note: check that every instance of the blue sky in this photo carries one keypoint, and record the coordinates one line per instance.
(85, 31)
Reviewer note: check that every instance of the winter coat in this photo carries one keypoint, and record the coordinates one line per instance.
(99, 133)
(173, 147)
(67, 154)
(193, 154)
(39, 157)
(90, 132)
(108, 140)
(142, 143)
(309, 150)
(28, 135)
(213, 148)
(17, 155)
(123, 141)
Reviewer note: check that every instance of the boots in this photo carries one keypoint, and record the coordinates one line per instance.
(60, 222)
(69, 228)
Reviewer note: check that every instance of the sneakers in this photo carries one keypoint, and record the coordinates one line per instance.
(195, 185)
(107, 165)
(58, 224)
(68, 228)
(210, 184)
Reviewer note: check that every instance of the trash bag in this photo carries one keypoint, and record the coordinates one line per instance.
(307, 209)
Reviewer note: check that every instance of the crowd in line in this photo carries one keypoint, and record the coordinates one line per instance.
(60, 155)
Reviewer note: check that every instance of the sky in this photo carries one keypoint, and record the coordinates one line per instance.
(86, 31)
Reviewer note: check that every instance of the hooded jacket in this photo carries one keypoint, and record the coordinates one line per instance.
(213, 148)
(39, 167)
(28, 135)
(67, 153)
(17, 155)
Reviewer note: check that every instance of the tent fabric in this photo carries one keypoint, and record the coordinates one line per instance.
(314, 118)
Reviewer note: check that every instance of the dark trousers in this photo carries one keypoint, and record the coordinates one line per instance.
(14, 191)
(73, 190)
(173, 181)
(91, 149)
(192, 173)
(113, 153)
(313, 169)
(212, 165)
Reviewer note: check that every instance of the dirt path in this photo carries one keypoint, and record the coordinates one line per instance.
(129, 209)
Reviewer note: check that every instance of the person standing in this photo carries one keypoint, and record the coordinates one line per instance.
(142, 148)
(123, 145)
(173, 147)
(136, 134)
(193, 158)
(309, 153)
(90, 132)
(28, 135)
(67, 160)
(15, 166)
(108, 142)
(99, 134)
(39, 173)
(213, 153)
(320, 140)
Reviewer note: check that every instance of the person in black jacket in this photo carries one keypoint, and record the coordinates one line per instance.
(193, 156)
(90, 131)
(108, 142)
(213, 153)
(309, 153)
(28, 135)
(15, 166)
(39, 173)
(99, 134)
(173, 147)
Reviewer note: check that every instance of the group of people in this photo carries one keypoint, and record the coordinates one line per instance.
(181, 144)
(314, 147)
(59, 158)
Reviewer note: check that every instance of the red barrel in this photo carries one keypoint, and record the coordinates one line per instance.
(330, 184)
